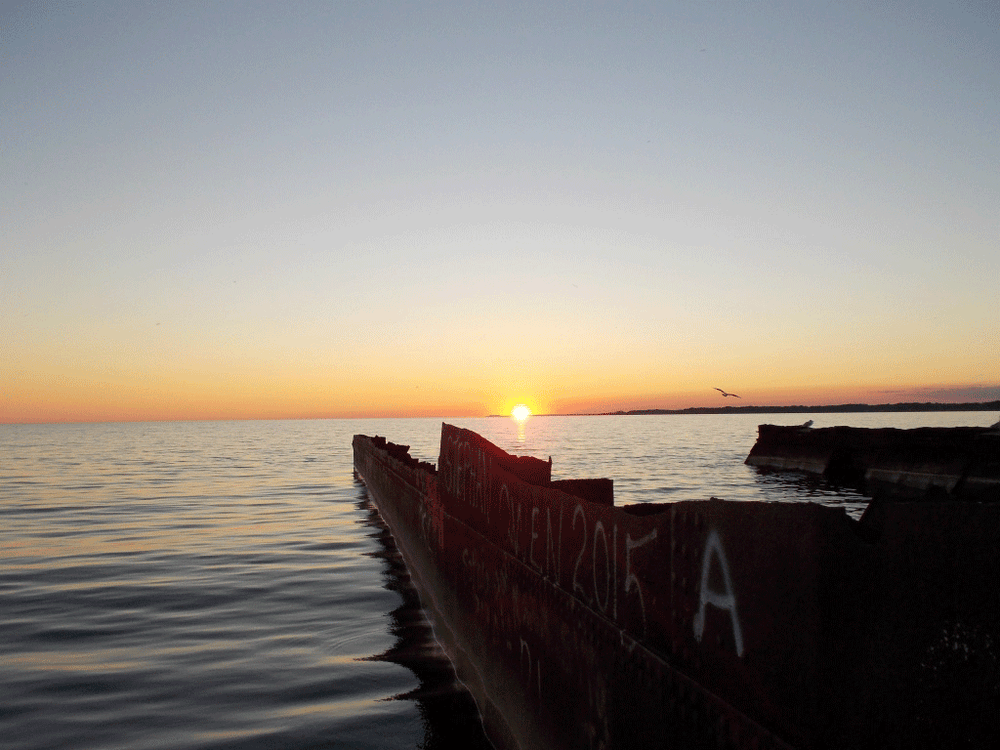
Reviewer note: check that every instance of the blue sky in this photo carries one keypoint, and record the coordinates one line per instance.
(330, 206)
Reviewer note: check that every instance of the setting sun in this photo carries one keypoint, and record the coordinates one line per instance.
(520, 412)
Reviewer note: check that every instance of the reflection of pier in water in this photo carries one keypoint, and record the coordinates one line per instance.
(449, 713)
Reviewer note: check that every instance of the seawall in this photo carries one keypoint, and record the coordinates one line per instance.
(576, 623)
(960, 463)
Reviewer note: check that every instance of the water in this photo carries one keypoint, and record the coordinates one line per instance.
(229, 585)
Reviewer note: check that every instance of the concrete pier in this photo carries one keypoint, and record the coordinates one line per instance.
(961, 463)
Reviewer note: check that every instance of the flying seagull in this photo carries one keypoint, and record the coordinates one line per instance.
(726, 394)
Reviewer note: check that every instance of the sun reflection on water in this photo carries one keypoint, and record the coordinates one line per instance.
(520, 414)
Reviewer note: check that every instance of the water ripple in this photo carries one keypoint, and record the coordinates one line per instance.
(228, 585)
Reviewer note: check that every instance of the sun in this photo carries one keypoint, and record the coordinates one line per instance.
(520, 412)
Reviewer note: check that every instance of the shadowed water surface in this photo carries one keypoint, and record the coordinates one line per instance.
(228, 584)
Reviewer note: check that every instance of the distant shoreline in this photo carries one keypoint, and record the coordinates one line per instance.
(828, 409)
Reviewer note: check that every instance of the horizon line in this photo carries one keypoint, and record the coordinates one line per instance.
(902, 406)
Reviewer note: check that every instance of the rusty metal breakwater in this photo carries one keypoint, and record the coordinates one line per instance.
(578, 624)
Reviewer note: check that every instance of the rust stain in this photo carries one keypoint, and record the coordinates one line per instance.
(578, 624)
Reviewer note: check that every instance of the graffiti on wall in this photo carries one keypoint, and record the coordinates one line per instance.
(725, 599)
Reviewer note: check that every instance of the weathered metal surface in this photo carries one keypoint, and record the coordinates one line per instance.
(578, 624)
(958, 462)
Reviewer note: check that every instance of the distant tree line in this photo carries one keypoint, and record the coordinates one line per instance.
(829, 409)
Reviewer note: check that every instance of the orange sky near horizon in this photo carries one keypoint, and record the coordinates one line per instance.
(257, 393)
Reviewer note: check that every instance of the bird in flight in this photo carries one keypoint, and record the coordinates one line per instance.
(726, 394)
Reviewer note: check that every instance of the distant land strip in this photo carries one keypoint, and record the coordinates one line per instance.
(829, 409)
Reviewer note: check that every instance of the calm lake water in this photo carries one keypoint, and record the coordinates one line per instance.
(229, 585)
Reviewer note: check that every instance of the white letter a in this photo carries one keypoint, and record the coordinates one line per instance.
(725, 600)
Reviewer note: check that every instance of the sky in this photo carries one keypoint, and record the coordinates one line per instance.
(216, 210)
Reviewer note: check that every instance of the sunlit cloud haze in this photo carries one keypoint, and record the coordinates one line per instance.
(227, 210)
